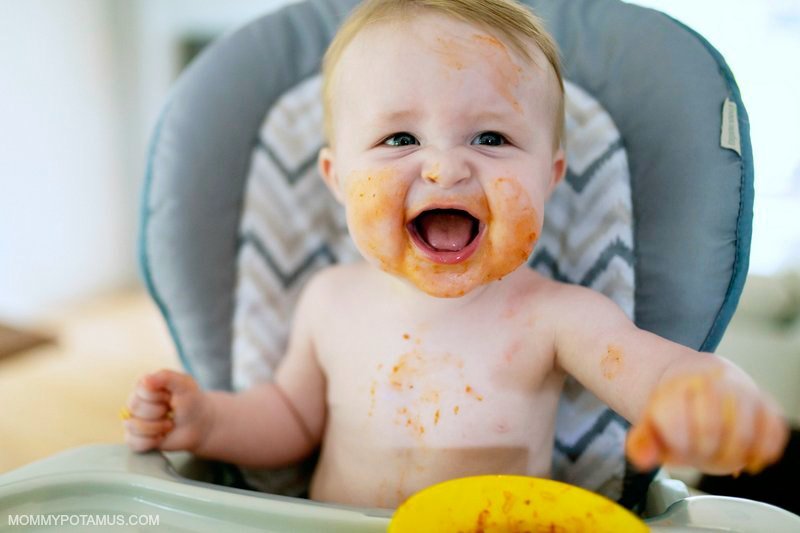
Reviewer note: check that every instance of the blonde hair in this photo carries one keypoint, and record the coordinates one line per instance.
(510, 19)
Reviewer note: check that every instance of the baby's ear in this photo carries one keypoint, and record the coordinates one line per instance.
(558, 171)
(327, 170)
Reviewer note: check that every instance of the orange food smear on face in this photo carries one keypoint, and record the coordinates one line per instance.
(490, 40)
(449, 54)
(458, 53)
(378, 227)
(507, 73)
(611, 363)
(433, 174)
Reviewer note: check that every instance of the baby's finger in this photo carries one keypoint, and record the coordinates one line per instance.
(146, 409)
(141, 444)
(757, 456)
(670, 420)
(153, 396)
(705, 424)
(772, 435)
(151, 389)
(738, 432)
(643, 447)
(169, 381)
(148, 428)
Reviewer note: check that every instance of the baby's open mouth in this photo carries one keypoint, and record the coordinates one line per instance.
(445, 235)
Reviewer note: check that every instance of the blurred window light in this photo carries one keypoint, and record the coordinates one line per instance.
(760, 40)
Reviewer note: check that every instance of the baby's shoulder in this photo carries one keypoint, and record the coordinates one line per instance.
(332, 280)
(557, 295)
(325, 290)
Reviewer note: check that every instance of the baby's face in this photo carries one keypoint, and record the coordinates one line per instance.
(443, 151)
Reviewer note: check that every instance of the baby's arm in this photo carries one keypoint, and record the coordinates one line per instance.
(687, 407)
(272, 424)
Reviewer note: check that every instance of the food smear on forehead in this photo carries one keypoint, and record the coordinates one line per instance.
(459, 53)
(450, 54)
(506, 72)
(376, 217)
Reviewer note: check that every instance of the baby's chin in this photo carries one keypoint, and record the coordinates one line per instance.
(491, 262)
(438, 288)
(445, 281)
(449, 289)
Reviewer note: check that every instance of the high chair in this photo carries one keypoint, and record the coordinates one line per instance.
(655, 212)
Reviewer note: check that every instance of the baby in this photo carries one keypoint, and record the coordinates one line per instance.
(443, 355)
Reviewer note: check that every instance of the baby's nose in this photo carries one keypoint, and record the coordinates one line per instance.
(446, 169)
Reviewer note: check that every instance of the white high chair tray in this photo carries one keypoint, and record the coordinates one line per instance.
(109, 480)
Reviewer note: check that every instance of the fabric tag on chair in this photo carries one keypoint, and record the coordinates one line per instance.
(729, 136)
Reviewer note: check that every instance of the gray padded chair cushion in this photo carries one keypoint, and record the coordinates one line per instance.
(663, 85)
(196, 173)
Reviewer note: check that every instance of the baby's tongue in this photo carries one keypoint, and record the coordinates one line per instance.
(445, 230)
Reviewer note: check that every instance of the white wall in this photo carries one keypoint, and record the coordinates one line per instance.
(81, 85)
(60, 188)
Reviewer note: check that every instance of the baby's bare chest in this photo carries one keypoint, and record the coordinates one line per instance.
(422, 385)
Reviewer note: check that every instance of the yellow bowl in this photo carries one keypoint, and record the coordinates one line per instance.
(506, 504)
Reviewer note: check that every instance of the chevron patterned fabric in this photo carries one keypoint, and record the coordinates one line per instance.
(291, 226)
(588, 240)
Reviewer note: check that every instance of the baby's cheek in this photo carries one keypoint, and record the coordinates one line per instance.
(375, 215)
(514, 228)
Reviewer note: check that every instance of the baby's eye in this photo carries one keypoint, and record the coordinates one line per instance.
(489, 138)
(401, 139)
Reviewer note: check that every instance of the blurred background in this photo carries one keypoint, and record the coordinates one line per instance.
(81, 86)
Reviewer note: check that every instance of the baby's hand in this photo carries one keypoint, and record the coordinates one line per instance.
(713, 421)
(168, 411)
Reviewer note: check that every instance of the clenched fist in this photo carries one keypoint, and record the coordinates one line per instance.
(168, 411)
(715, 421)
